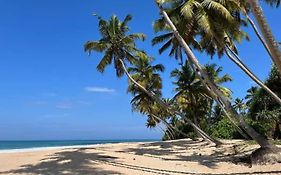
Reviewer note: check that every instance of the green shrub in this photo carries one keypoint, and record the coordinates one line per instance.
(224, 129)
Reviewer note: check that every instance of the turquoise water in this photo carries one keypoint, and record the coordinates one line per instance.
(14, 145)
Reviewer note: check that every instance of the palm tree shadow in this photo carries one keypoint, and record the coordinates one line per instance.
(67, 162)
(210, 160)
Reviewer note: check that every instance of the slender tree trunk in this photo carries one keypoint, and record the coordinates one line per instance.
(223, 101)
(266, 31)
(195, 120)
(165, 105)
(258, 34)
(172, 137)
(165, 132)
(170, 126)
(242, 66)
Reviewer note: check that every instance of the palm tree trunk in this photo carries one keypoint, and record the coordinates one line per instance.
(171, 135)
(223, 101)
(165, 132)
(166, 106)
(235, 122)
(170, 126)
(266, 31)
(242, 66)
(258, 34)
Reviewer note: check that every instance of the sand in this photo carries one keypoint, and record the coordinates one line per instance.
(172, 157)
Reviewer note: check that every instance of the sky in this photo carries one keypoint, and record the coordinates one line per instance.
(50, 88)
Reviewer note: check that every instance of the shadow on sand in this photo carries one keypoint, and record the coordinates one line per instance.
(67, 162)
(82, 161)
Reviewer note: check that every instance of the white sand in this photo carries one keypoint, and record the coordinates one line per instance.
(173, 157)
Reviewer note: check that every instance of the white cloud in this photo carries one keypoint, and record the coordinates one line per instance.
(99, 89)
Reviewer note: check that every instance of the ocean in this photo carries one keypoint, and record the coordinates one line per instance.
(19, 146)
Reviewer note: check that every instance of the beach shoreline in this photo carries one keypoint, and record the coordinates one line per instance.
(171, 157)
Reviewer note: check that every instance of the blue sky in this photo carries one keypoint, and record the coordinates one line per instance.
(50, 88)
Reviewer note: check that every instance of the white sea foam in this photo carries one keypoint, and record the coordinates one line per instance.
(48, 148)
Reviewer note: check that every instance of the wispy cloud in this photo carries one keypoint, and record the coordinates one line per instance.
(99, 89)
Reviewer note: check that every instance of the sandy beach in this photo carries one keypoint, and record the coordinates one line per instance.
(171, 157)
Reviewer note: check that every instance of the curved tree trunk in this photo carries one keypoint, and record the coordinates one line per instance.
(223, 101)
(242, 66)
(165, 105)
(266, 31)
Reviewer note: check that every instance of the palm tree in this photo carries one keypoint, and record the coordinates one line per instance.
(216, 36)
(211, 41)
(115, 44)
(251, 94)
(190, 93)
(192, 96)
(240, 106)
(266, 31)
(148, 76)
(211, 20)
(214, 73)
(216, 94)
(118, 47)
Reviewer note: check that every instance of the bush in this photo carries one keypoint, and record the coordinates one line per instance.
(262, 127)
(224, 129)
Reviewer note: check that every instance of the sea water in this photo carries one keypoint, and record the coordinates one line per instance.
(21, 146)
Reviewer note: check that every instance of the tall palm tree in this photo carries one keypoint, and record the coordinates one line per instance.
(119, 47)
(218, 33)
(216, 94)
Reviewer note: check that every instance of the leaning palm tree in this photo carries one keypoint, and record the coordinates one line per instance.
(148, 76)
(119, 47)
(195, 18)
(218, 32)
(217, 95)
(266, 31)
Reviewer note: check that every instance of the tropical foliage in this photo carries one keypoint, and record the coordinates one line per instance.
(212, 27)
(115, 43)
